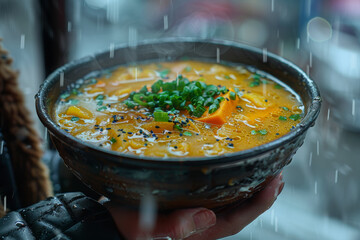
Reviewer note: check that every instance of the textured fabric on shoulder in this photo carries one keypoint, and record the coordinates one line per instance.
(65, 216)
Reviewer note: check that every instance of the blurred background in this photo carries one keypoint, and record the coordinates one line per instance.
(321, 197)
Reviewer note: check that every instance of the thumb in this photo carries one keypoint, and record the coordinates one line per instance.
(183, 223)
(178, 224)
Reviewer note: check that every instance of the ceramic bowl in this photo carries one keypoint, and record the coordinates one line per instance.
(210, 182)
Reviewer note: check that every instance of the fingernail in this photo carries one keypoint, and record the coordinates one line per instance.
(204, 219)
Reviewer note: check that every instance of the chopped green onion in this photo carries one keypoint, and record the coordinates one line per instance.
(255, 83)
(100, 97)
(178, 127)
(187, 133)
(65, 95)
(227, 77)
(161, 116)
(75, 119)
(190, 108)
(208, 101)
(113, 140)
(101, 108)
(155, 88)
(277, 86)
(223, 89)
(75, 92)
(99, 103)
(164, 73)
(130, 104)
(143, 89)
(140, 99)
(253, 132)
(295, 117)
(282, 118)
(285, 108)
(232, 96)
(73, 101)
(213, 108)
(199, 111)
(187, 69)
(262, 132)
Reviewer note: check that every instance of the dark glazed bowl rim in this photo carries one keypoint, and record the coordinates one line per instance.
(301, 128)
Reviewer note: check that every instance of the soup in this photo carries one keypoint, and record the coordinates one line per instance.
(179, 109)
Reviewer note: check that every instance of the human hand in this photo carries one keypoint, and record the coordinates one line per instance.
(198, 223)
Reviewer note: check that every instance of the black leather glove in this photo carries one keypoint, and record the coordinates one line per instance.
(65, 216)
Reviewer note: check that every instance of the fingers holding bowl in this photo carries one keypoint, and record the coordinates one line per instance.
(233, 219)
(197, 223)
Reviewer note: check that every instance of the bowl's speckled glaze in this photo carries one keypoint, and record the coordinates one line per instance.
(210, 182)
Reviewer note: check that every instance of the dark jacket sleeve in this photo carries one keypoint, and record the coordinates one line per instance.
(65, 216)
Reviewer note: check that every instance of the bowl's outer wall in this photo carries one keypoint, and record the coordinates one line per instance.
(180, 184)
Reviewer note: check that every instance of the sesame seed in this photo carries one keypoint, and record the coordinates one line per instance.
(230, 144)
(181, 134)
(108, 128)
(124, 140)
(277, 133)
(130, 133)
(157, 127)
(175, 147)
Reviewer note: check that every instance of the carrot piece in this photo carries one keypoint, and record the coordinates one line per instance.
(80, 112)
(225, 109)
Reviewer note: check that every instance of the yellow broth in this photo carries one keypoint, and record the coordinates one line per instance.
(263, 110)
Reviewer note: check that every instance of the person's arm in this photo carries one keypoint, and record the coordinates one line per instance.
(65, 216)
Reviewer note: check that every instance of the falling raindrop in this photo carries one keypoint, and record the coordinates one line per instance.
(308, 8)
(308, 70)
(336, 175)
(166, 23)
(5, 202)
(272, 216)
(132, 37)
(272, 5)
(69, 26)
(310, 59)
(148, 211)
(317, 147)
(328, 114)
(45, 135)
(22, 41)
(217, 55)
(353, 107)
(315, 187)
(61, 79)
(276, 224)
(310, 159)
(1, 147)
(298, 43)
(264, 55)
(112, 48)
(281, 48)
